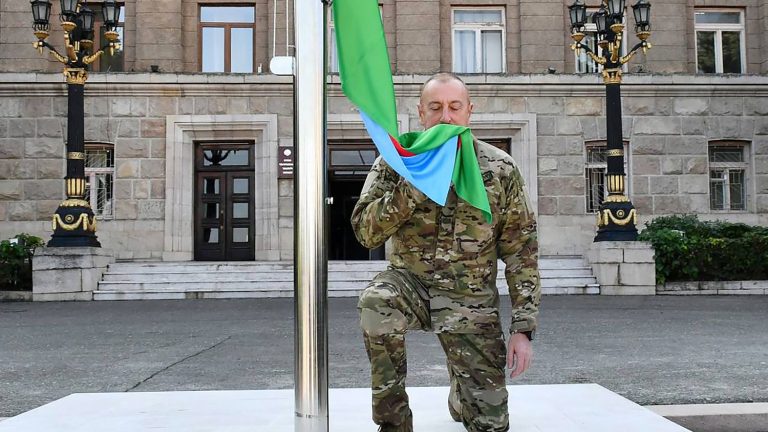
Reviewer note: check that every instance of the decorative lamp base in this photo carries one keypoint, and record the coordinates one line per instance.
(616, 221)
(74, 225)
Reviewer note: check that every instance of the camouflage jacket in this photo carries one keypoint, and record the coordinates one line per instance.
(452, 250)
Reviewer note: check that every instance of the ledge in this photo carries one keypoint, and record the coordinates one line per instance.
(713, 288)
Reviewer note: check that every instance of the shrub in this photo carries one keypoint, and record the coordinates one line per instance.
(16, 262)
(688, 249)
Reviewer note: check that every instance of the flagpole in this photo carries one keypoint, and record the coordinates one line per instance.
(310, 255)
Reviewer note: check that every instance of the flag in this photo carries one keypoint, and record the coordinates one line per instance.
(430, 160)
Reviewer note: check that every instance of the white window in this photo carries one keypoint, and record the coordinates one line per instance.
(108, 62)
(720, 41)
(727, 176)
(584, 64)
(99, 174)
(595, 172)
(226, 38)
(333, 52)
(478, 41)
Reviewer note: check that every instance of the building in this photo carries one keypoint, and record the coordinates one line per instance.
(186, 127)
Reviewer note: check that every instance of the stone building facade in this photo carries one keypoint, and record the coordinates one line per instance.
(697, 142)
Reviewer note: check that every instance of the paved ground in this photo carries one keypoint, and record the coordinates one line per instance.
(653, 350)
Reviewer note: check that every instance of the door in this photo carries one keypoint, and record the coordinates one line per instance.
(224, 202)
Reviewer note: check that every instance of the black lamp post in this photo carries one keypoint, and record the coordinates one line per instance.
(617, 217)
(73, 222)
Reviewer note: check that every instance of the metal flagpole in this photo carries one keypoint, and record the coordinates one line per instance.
(310, 257)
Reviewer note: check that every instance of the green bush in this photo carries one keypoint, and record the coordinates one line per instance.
(688, 249)
(16, 262)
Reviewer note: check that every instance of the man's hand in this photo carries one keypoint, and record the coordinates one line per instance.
(519, 354)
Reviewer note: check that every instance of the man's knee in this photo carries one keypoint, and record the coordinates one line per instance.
(379, 314)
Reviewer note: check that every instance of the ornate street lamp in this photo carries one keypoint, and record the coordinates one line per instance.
(73, 222)
(617, 217)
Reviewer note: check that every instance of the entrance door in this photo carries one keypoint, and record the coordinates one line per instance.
(349, 164)
(343, 244)
(224, 202)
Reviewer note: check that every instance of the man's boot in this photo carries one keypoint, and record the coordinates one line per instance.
(405, 426)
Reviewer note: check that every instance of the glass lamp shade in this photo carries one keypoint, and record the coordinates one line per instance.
(578, 13)
(616, 7)
(599, 18)
(68, 7)
(642, 12)
(86, 20)
(41, 12)
(111, 13)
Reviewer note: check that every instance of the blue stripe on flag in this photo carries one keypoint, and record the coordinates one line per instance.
(429, 172)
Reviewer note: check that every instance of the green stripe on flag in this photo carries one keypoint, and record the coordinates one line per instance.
(366, 77)
(466, 178)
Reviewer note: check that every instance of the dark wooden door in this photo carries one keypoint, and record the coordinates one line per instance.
(224, 202)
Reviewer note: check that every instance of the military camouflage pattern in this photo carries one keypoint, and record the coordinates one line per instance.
(396, 302)
(452, 250)
(442, 278)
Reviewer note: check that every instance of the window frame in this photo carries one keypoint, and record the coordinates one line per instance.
(743, 166)
(90, 176)
(478, 29)
(719, 29)
(98, 24)
(604, 167)
(227, 26)
(590, 30)
(333, 52)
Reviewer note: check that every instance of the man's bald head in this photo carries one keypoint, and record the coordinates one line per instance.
(442, 77)
(444, 99)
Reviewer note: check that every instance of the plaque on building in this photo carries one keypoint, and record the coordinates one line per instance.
(285, 162)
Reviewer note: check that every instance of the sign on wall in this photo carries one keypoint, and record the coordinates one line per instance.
(285, 162)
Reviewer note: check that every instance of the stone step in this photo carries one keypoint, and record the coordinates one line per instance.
(155, 280)
(147, 294)
(187, 266)
(336, 282)
(286, 275)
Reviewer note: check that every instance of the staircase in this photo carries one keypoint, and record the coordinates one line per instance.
(197, 280)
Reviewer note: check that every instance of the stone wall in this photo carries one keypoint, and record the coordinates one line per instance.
(668, 122)
(419, 35)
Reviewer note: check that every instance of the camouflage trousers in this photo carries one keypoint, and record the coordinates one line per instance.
(395, 302)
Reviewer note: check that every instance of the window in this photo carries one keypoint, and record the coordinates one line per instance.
(584, 64)
(333, 52)
(595, 174)
(478, 41)
(107, 62)
(720, 41)
(226, 38)
(351, 157)
(99, 173)
(727, 176)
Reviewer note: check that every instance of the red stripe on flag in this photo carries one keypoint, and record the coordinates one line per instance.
(400, 150)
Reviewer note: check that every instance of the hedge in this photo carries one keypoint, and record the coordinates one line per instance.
(688, 249)
(16, 262)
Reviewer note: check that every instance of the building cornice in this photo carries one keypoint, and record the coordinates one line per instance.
(556, 85)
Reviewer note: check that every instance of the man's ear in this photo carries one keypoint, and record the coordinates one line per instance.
(421, 114)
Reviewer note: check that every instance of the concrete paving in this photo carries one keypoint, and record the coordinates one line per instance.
(651, 350)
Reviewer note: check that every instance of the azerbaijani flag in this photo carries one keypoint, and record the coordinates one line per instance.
(429, 160)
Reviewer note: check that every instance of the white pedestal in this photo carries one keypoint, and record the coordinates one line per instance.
(623, 267)
(555, 408)
(66, 274)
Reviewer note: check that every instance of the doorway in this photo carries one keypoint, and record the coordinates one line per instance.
(349, 163)
(224, 201)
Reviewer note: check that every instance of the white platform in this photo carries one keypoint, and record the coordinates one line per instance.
(555, 408)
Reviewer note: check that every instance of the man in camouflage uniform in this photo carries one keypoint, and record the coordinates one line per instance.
(442, 277)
